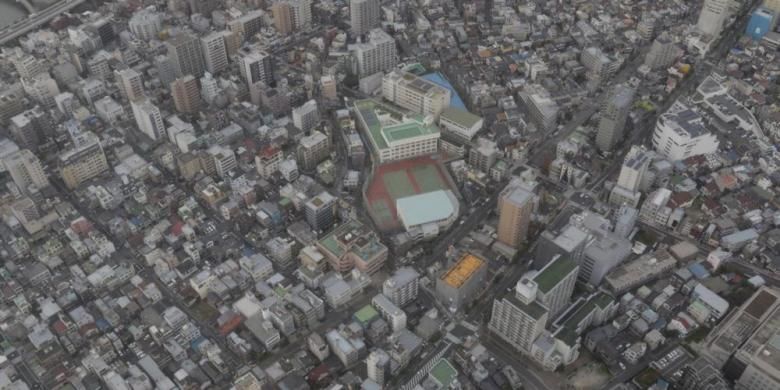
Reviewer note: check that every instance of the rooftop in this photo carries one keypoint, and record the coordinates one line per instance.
(462, 270)
(385, 124)
(427, 207)
(444, 373)
(554, 272)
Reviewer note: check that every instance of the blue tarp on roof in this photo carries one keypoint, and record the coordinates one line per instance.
(698, 271)
(438, 78)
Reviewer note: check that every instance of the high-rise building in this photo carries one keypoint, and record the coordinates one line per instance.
(248, 24)
(634, 169)
(42, 89)
(321, 211)
(283, 18)
(613, 117)
(364, 15)
(714, 14)
(415, 93)
(515, 206)
(209, 89)
(214, 52)
(307, 116)
(148, 118)
(542, 109)
(11, 103)
(98, 65)
(86, 160)
(186, 94)
(761, 22)
(402, 287)
(257, 66)
(600, 66)
(377, 54)
(130, 84)
(26, 128)
(663, 52)
(328, 88)
(378, 366)
(312, 150)
(462, 282)
(555, 284)
(301, 12)
(166, 70)
(186, 54)
(222, 159)
(517, 318)
(27, 65)
(145, 24)
(25, 170)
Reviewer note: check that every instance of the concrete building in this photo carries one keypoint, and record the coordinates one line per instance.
(257, 67)
(635, 167)
(186, 54)
(599, 65)
(328, 88)
(267, 161)
(321, 211)
(390, 312)
(702, 375)
(415, 93)
(425, 215)
(186, 94)
(84, 161)
(301, 12)
(148, 118)
(402, 287)
(214, 52)
(364, 15)
(130, 83)
(307, 116)
(614, 113)
(555, 284)
(283, 18)
(461, 283)
(145, 24)
(713, 16)
(209, 88)
(378, 366)
(542, 109)
(637, 272)
(459, 126)
(517, 318)
(25, 170)
(680, 133)
(222, 159)
(392, 135)
(353, 245)
(312, 150)
(662, 54)
(483, 154)
(377, 54)
(515, 207)
(654, 209)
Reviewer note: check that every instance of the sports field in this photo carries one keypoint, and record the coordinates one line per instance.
(401, 179)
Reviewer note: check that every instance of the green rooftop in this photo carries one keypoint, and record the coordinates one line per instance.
(553, 273)
(444, 373)
(533, 309)
(461, 117)
(405, 130)
(369, 112)
(366, 314)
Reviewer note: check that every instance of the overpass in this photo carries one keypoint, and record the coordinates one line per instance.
(27, 5)
(35, 20)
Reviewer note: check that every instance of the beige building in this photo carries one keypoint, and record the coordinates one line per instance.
(186, 94)
(283, 18)
(414, 93)
(83, 162)
(515, 206)
(25, 170)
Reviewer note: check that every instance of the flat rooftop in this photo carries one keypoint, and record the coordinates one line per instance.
(426, 208)
(553, 273)
(462, 270)
(385, 124)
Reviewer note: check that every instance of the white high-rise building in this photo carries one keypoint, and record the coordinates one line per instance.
(148, 118)
(402, 287)
(301, 13)
(214, 52)
(26, 170)
(614, 114)
(378, 366)
(377, 54)
(517, 318)
(680, 133)
(145, 24)
(364, 15)
(307, 116)
(714, 14)
(634, 168)
(209, 88)
(415, 93)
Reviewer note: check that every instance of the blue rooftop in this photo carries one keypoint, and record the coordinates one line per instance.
(438, 79)
(698, 271)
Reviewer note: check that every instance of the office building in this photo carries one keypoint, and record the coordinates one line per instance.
(148, 118)
(186, 94)
(364, 15)
(542, 109)
(663, 52)
(392, 135)
(186, 54)
(257, 66)
(713, 16)
(555, 284)
(320, 211)
(145, 24)
(605, 251)
(614, 113)
(84, 161)
(283, 18)
(214, 52)
(402, 287)
(680, 133)
(567, 240)
(414, 93)
(307, 116)
(459, 126)
(376, 54)
(632, 174)
(515, 206)
(378, 366)
(130, 83)
(462, 282)
(25, 170)
(517, 318)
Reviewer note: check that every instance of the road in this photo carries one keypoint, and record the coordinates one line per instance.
(34, 21)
